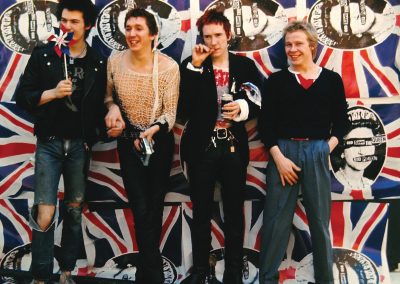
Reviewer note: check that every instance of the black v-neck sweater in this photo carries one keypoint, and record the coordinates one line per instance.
(290, 111)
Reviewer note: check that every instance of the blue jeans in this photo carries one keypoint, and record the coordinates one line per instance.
(280, 203)
(54, 157)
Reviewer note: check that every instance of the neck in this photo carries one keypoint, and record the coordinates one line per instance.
(222, 60)
(77, 48)
(350, 172)
(305, 69)
(141, 59)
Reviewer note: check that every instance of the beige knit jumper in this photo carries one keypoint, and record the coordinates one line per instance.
(135, 91)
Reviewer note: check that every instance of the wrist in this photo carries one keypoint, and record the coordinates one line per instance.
(109, 105)
(196, 64)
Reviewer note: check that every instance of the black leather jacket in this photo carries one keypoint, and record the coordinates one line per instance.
(43, 72)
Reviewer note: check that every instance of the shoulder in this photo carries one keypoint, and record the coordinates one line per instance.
(43, 51)
(279, 74)
(240, 60)
(166, 63)
(330, 74)
(116, 56)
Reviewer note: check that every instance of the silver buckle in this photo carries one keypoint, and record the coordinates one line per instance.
(222, 133)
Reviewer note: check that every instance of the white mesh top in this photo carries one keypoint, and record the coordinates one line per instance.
(136, 91)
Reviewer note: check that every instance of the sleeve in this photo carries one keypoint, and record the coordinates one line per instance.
(100, 106)
(169, 101)
(340, 122)
(268, 114)
(251, 91)
(29, 89)
(189, 88)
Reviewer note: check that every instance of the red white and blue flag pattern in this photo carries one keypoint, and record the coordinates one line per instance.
(371, 72)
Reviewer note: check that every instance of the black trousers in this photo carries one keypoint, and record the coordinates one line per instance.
(146, 188)
(218, 163)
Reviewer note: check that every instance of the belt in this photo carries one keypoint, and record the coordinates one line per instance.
(299, 139)
(221, 133)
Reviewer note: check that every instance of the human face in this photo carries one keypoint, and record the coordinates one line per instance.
(215, 37)
(359, 157)
(137, 34)
(74, 22)
(298, 49)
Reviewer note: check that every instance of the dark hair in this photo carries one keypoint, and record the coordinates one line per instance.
(149, 17)
(212, 16)
(87, 8)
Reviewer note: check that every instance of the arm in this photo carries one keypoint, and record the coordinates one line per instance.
(248, 102)
(192, 75)
(113, 119)
(169, 102)
(30, 93)
(340, 122)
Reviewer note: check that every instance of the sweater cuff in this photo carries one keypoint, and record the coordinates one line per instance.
(163, 126)
(244, 110)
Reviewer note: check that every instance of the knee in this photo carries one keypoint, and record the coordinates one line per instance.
(73, 208)
(45, 216)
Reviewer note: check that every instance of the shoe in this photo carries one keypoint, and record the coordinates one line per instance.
(232, 278)
(66, 279)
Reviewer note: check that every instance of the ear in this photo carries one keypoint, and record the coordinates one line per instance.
(88, 27)
(229, 35)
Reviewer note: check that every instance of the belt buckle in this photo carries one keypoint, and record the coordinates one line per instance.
(222, 133)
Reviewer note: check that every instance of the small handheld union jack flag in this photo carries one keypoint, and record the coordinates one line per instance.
(62, 39)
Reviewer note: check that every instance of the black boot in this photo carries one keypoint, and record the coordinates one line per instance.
(232, 278)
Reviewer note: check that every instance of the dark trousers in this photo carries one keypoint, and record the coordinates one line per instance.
(280, 203)
(218, 163)
(146, 188)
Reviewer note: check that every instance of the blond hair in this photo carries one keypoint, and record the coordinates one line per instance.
(308, 29)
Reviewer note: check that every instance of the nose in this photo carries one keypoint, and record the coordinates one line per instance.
(67, 25)
(213, 41)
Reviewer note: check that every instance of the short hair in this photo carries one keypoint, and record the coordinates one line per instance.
(308, 29)
(150, 18)
(87, 8)
(212, 16)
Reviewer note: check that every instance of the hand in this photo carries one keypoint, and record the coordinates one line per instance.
(199, 53)
(148, 134)
(115, 131)
(333, 142)
(286, 168)
(231, 110)
(114, 118)
(63, 89)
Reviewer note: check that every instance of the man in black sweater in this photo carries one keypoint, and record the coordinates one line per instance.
(303, 117)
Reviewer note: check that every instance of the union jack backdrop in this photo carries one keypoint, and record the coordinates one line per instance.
(365, 53)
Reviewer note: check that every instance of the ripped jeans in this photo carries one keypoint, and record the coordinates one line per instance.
(54, 157)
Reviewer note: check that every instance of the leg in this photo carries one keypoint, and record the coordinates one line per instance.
(136, 184)
(75, 173)
(202, 177)
(48, 166)
(280, 204)
(233, 179)
(317, 201)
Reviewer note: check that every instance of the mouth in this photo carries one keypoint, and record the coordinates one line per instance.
(133, 42)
